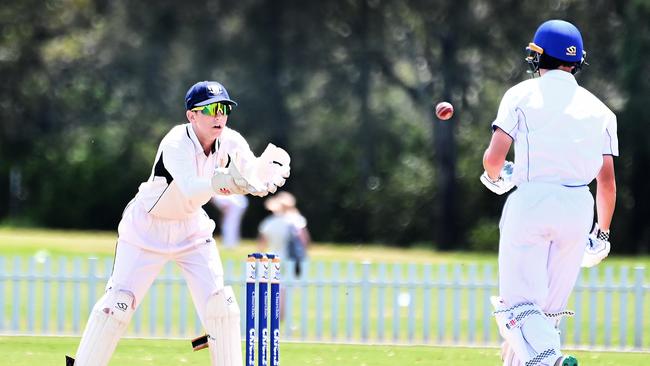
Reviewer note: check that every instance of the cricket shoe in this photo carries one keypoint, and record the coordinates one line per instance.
(566, 361)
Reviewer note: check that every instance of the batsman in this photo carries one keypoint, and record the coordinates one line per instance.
(563, 138)
(165, 221)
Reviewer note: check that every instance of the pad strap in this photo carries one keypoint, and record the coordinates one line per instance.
(514, 316)
(541, 357)
(560, 314)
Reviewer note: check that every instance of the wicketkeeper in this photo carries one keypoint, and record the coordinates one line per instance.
(165, 221)
(563, 137)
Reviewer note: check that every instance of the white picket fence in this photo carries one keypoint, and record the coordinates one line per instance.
(333, 302)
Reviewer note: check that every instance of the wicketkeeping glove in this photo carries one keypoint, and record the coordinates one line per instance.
(502, 184)
(273, 167)
(230, 181)
(597, 248)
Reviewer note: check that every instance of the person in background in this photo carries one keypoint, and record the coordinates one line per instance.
(232, 208)
(285, 232)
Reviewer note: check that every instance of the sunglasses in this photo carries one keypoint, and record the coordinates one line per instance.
(214, 108)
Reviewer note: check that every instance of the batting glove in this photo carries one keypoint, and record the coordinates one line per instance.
(597, 248)
(502, 184)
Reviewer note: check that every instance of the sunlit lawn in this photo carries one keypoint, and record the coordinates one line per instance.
(102, 243)
(29, 351)
(328, 261)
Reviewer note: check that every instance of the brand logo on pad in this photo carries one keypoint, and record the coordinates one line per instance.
(122, 306)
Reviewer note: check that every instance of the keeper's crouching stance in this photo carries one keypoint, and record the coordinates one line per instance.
(165, 222)
(563, 138)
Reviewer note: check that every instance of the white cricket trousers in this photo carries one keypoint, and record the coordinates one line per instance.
(145, 244)
(544, 229)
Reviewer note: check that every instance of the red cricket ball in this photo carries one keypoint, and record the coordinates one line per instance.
(444, 110)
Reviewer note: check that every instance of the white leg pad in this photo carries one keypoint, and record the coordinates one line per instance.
(224, 334)
(107, 323)
(528, 332)
(508, 355)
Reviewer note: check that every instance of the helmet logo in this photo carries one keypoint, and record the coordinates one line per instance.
(571, 51)
(216, 89)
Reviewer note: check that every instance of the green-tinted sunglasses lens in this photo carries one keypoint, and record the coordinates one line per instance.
(209, 110)
(212, 109)
(225, 109)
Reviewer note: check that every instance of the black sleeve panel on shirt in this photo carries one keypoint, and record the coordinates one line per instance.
(161, 171)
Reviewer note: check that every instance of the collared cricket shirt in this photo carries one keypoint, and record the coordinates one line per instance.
(560, 130)
(180, 180)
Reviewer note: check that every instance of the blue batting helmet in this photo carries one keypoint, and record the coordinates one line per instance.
(558, 39)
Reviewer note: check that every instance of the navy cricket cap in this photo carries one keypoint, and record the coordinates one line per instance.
(206, 92)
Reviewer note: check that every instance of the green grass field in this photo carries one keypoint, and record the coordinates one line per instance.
(29, 351)
(28, 242)
(56, 244)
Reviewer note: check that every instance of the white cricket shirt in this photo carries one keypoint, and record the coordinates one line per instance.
(560, 130)
(276, 228)
(180, 181)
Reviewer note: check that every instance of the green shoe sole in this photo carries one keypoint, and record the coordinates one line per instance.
(570, 361)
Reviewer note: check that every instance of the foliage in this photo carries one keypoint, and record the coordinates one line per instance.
(90, 87)
(484, 236)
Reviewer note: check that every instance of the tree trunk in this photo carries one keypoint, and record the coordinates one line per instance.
(446, 234)
(280, 121)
